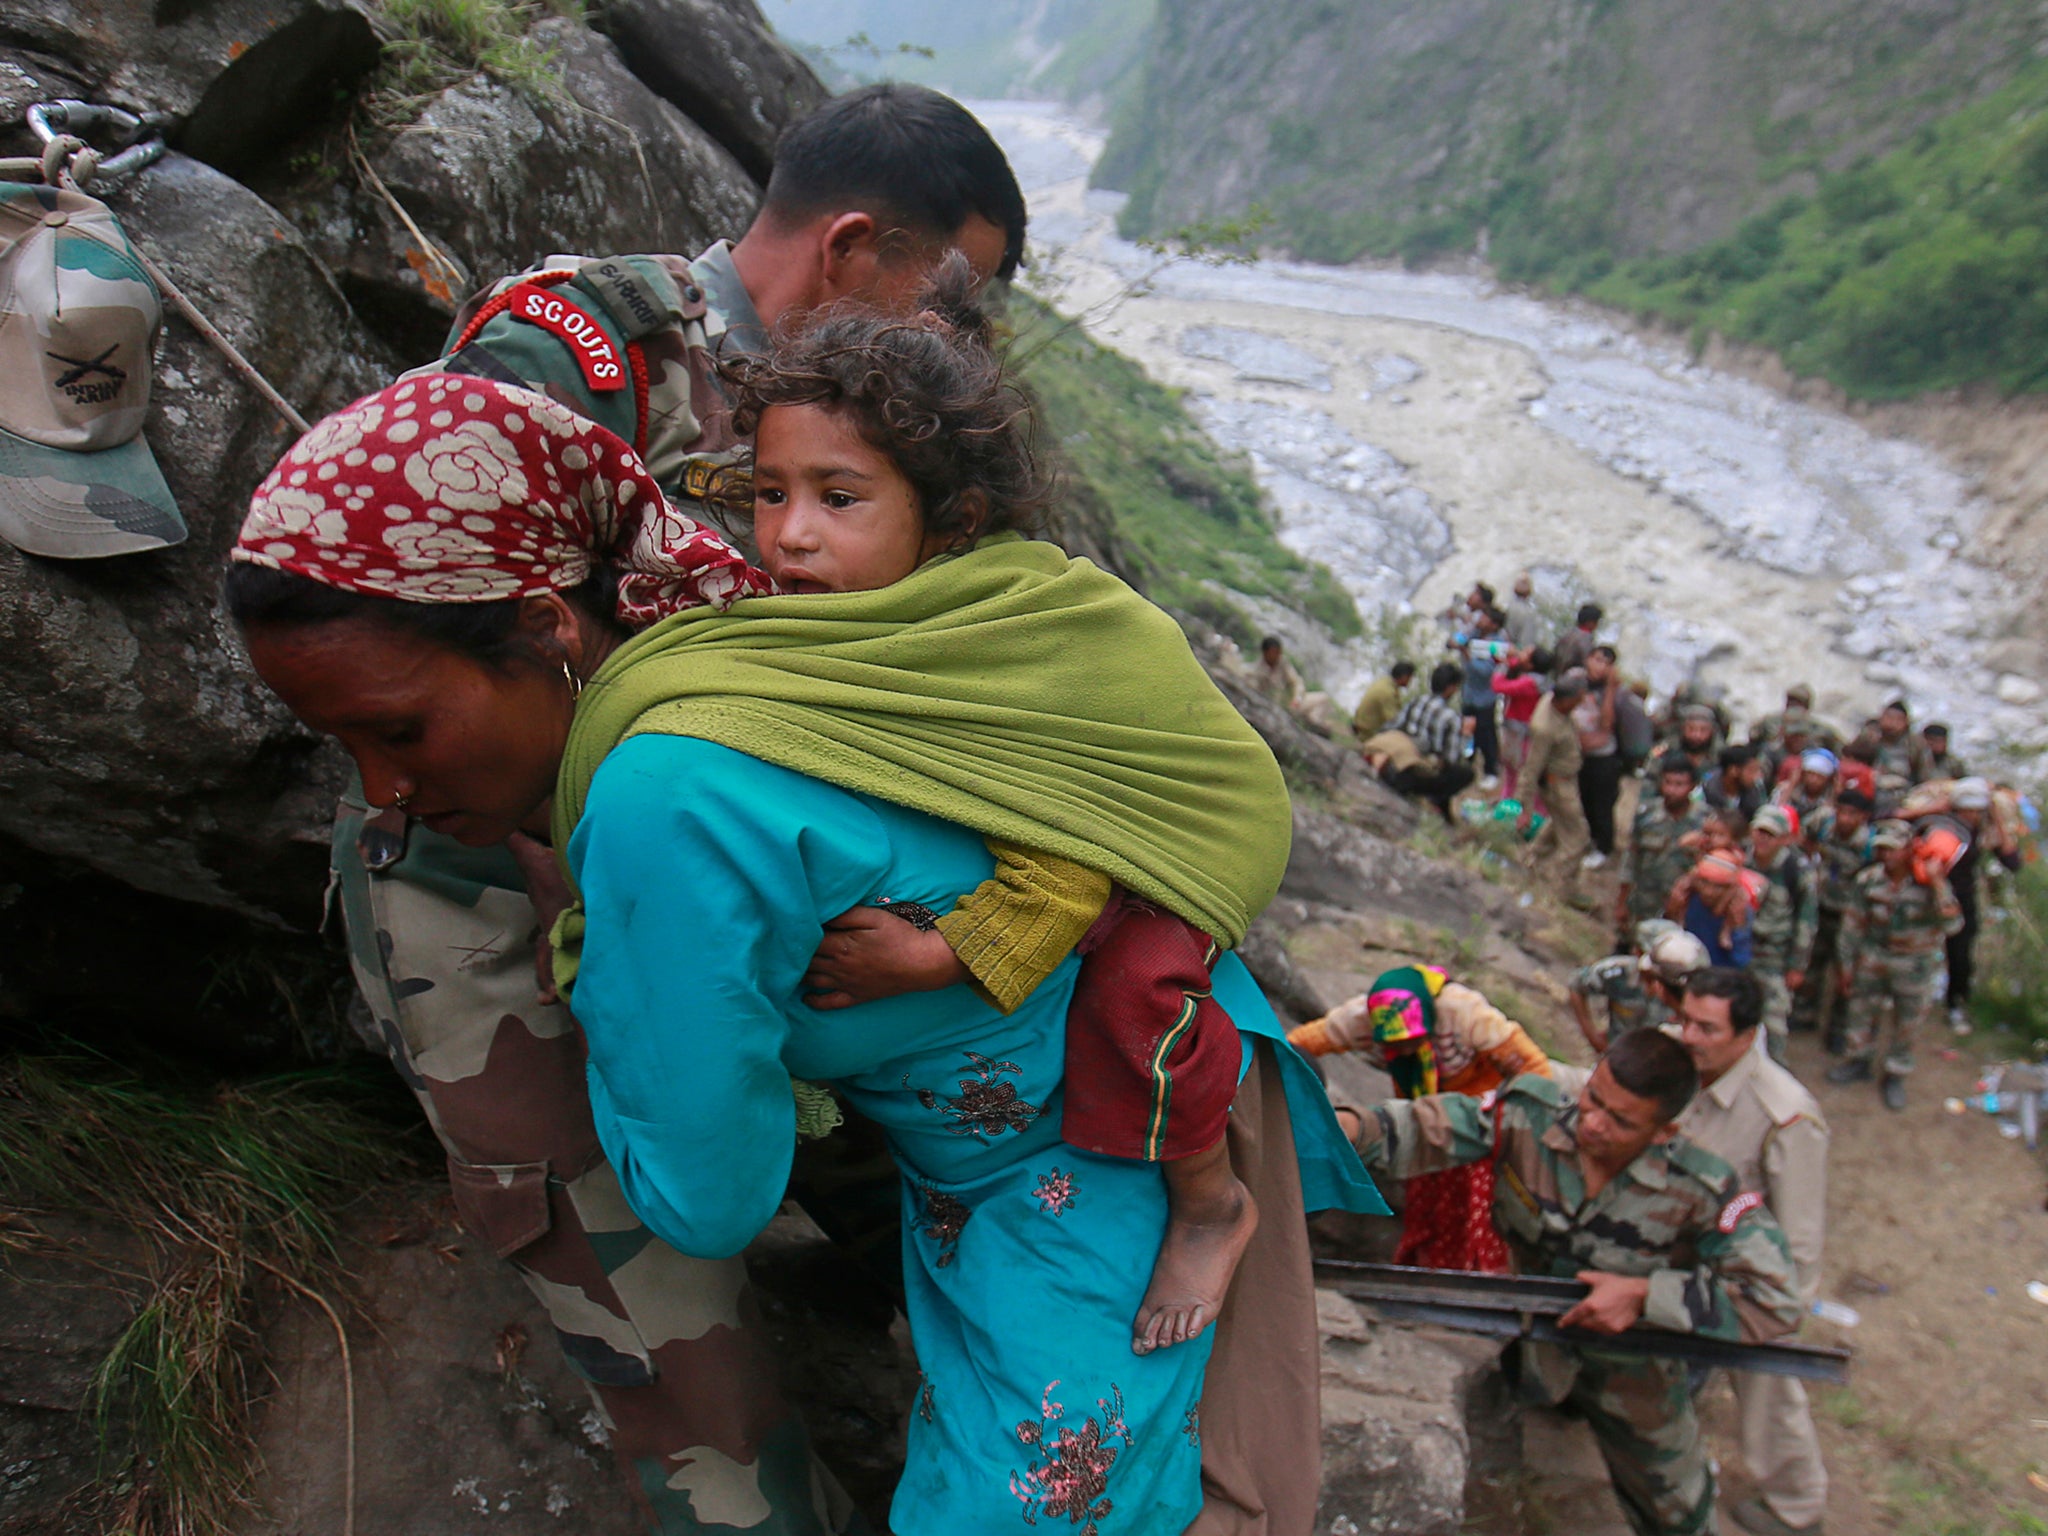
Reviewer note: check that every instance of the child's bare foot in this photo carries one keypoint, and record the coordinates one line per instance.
(1195, 1265)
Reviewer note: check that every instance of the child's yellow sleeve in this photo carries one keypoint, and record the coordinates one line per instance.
(1014, 929)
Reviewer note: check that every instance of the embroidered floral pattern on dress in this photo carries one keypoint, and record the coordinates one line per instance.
(986, 1105)
(1070, 1476)
(1055, 1192)
(446, 488)
(1191, 1426)
(924, 1400)
(944, 1219)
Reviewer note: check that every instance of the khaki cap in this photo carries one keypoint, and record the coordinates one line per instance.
(79, 320)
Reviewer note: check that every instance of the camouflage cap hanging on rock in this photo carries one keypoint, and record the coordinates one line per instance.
(79, 320)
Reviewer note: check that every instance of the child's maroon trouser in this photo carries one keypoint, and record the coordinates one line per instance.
(1152, 1058)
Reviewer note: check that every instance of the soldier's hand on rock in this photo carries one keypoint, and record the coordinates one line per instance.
(868, 953)
(1615, 1305)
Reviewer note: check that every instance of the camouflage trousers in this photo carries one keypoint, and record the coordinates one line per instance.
(1816, 996)
(1641, 1413)
(1894, 987)
(1777, 1019)
(673, 1348)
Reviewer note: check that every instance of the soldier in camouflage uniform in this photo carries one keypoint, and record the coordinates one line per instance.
(1901, 756)
(1894, 932)
(1812, 789)
(1837, 837)
(1642, 989)
(1601, 1188)
(1655, 860)
(442, 936)
(1781, 933)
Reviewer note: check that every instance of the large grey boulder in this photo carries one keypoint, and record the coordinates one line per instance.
(239, 75)
(718, 62)
(134, 742)
(1409, 1416)
(133, 738)
(499, 178)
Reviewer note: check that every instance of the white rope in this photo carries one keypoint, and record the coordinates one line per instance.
(226, 348)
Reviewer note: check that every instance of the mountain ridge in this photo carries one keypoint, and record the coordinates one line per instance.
(1563, 139)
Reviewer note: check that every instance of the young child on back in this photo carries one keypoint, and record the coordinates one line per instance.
(878, 445)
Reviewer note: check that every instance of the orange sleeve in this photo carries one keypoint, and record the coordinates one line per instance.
(1517, 1053)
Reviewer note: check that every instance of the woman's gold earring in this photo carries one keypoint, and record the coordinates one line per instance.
(575, 682)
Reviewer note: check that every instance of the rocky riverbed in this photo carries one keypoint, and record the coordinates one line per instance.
(1419, 431)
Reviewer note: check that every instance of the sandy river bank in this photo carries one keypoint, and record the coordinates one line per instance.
(1421, 431)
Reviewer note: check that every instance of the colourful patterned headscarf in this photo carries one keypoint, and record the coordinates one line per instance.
(449, 489)
(1402, 1007)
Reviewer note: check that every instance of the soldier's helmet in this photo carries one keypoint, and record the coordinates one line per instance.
(1669, 952)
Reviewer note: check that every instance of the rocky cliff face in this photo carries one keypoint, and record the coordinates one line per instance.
(1627, 126)
(133, 740)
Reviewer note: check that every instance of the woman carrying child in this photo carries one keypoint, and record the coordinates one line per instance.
(724, 786)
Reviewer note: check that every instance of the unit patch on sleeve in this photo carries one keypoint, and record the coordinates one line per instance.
(584, 337)
(1733, 1212)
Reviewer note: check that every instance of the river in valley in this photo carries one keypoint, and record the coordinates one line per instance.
(1420, 431)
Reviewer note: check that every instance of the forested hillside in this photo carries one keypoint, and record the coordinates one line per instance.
(1861, 186)
(1082, 51)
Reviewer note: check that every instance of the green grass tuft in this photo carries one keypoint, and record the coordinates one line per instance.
(2011, 989)
(224, 1182)
(431, 44)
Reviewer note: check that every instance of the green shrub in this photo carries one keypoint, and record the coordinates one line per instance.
(2012, 956)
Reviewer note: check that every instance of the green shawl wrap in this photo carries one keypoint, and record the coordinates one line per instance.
(1031, 697)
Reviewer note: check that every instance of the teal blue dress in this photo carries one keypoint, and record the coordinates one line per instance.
(707, 877)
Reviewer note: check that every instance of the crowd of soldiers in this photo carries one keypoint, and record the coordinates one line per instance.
(1838, 868)
(1803, 878)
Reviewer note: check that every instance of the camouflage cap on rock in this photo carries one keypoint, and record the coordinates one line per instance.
(79, 319)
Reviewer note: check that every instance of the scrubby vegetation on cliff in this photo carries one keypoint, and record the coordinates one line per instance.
(1862, 188)
(1925, 269)
(1182, 515)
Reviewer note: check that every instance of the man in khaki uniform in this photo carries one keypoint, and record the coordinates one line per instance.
(1552, 766)
(1382, 701)
(1756, 1117)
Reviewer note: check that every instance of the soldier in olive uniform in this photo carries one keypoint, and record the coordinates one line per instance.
(1812, 789)
(1901, 756)
(1941, 762)
(1894, 932)
(1655, 860)
(1838, 838)
(1603, 1188)
(1781, 933)
(866, 195)
(1642, 989)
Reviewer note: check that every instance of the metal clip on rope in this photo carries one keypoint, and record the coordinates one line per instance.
(60, 125)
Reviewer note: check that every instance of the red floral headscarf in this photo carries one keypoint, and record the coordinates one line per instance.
(448, 489)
